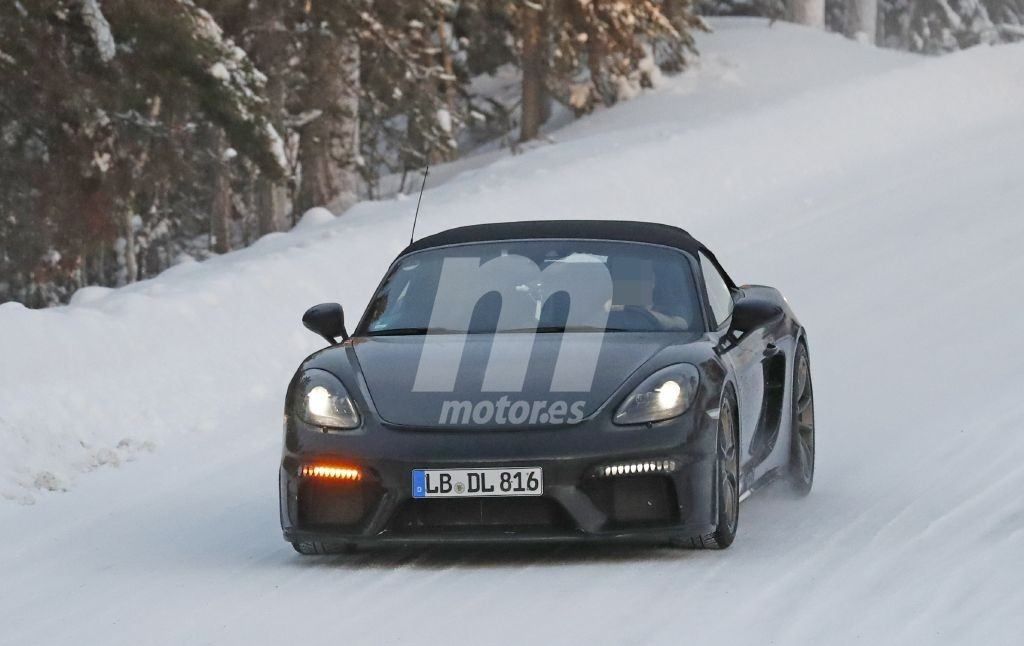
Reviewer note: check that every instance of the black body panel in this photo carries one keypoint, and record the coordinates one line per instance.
(388, 365)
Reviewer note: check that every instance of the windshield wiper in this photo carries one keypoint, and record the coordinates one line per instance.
(543, 329)
(560, 329)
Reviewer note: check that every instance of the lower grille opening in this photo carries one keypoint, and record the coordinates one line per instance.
(335, 504)
(471, 515)
(635, 501)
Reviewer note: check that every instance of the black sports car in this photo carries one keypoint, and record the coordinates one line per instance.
(539, 381)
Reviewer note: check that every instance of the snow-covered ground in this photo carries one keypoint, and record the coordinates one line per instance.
(881, 192)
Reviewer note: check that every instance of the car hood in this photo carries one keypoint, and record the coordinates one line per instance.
(482, 380)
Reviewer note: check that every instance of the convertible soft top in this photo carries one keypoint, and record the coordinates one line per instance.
(648, 232)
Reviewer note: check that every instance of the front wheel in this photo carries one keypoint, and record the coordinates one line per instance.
(801, 454)
(726, 485)
(311, 548)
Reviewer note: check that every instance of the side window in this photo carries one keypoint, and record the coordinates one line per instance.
(719, 295)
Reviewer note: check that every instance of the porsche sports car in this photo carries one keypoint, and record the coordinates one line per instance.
(546, 381)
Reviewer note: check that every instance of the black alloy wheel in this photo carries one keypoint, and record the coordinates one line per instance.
(801, 460)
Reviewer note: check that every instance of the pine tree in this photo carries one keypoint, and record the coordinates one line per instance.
(329, 148)
(938, 26)
(412, 105)
(591, 52)
(157, 129)
(272, 32)
(99, 130)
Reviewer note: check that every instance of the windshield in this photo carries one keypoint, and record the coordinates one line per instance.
(536, 285)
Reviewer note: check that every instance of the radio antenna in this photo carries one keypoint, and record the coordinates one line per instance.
(419, 200)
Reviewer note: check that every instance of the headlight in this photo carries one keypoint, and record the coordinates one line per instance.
(664, 395)
(321, 400)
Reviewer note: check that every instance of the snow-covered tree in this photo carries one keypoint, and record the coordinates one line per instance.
(272, 32)
(102, 136)
(413, 88)
(938, 26)
(329, 148)
(153, 130)
(178, 40)
(588, 52)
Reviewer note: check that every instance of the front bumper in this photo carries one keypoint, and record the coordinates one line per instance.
(579, 502)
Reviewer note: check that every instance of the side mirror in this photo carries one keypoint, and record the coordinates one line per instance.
(327, 320)
(751, 313)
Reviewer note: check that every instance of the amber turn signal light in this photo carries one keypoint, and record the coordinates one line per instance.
(330, 472)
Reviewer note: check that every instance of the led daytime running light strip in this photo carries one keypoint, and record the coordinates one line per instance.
(633, 468)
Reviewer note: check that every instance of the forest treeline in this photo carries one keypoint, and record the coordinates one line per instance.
(135, 135)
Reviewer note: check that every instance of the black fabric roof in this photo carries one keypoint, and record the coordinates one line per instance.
(648, 232)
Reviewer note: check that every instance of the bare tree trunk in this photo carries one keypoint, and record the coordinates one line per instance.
(533, 65)
(450, 95)
(271, 205)
(861, 20)
(136, 174)
(131, 265)
(220, 209)
(806, 12)
(329, 145)
(596, 52)
(270, 52)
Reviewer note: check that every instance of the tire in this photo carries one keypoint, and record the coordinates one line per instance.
(801, 453)
(727, 468)
(313, 548)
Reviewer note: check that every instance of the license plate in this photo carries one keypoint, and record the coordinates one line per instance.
(461, 483)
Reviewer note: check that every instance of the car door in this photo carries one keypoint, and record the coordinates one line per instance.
(745, 358)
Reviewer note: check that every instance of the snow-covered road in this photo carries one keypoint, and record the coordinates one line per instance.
(881, 193)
